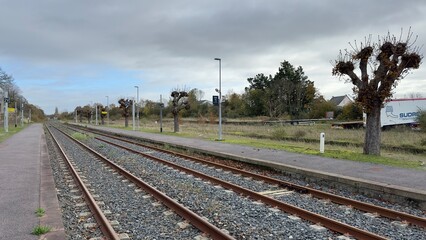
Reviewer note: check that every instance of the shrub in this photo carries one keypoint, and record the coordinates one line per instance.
(299, 134)
(421, 119)
(423, 142)
(79, 136)
(40, 230)
(39, 212)
(279, 134)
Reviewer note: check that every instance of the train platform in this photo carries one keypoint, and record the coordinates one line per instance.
(391, 183)
(26, 183)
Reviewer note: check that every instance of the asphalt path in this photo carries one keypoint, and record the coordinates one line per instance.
(20, 184)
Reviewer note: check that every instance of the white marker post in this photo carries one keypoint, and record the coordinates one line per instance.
(322, 141)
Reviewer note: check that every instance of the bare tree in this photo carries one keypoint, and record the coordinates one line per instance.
(126, 106)
(87, 112)
(389, 60)
(179, 102)
(79, 111)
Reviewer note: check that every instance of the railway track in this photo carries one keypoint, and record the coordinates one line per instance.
(102, 222)
(324, 221)
(106, 225)
(381, 211)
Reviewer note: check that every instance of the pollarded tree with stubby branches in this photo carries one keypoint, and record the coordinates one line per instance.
(125, 105)
(179, 102)
(380, 66)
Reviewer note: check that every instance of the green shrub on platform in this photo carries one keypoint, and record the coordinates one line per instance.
(40, 230)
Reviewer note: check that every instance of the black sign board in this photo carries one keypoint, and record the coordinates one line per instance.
(216, 100)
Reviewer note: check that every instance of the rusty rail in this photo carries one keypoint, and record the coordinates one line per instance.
(203, 225)
(103, 222)
(312, 217)
(385, 212)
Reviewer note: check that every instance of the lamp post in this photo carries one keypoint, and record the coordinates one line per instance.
(6, 109)
(22, 112)
(220, 97)
(137, 105)
(107, 109)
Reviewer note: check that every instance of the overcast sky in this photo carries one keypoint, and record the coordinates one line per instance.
(72, 53)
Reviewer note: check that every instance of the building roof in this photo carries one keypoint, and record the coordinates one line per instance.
(340, 99)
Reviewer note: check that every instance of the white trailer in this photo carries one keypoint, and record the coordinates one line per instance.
(402, 111)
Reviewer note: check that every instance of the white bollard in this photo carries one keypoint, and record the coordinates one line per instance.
(322, 141)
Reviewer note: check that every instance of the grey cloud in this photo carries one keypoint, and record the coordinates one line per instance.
(173, 41)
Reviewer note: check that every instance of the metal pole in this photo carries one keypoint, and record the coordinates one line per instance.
(29, 117)
(75, 114)
(133, 114)
(16, 115)
(91, 112)
(137, 105)
(6, 111)
(161, 113)
(220, 98)
(96, 113)
(107, 109)
(22, 113)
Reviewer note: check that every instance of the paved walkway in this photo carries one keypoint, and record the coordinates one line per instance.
(21, 181)
(374, 173)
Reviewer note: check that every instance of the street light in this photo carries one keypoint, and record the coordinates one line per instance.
(137, 104)
(220, 97)
(6, 108)
(107, 110)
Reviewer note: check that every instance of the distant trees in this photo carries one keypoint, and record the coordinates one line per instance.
(380, 66)
(14, 93)
(289, 92)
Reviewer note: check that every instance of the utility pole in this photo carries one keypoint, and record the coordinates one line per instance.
(96, 112)
(137, 105)
(133, 114)
(161, 113)
(16, 115)
(220, 97)
(107, 109)
(22, 113)
(6, 111)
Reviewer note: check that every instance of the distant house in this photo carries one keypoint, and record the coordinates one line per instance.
(341, 101)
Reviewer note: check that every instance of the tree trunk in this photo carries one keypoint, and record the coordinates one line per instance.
(373, 132)
(126, 121)
(176, 122)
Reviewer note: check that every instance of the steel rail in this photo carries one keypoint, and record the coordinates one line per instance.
(104, 223)
(367, 207)
(200, 223)
(307, 215)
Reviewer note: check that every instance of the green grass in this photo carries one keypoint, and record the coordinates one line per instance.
(40, 212)
(343, 153)
(12, 130)
(80, 136)
(305, 140)
(40, 230)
